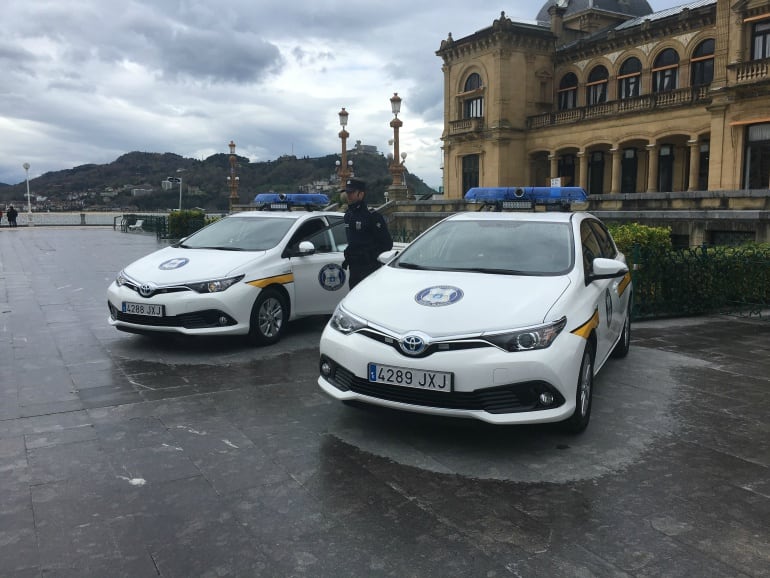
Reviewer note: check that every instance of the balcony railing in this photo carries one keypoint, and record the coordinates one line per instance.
(466, 125)
(678, 97)
(752, 71)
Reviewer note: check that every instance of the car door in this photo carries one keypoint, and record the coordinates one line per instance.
(602, 292)
(609, 251)
(319, 280)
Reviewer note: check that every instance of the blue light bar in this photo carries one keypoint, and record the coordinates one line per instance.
(534, 195)
(286, 201)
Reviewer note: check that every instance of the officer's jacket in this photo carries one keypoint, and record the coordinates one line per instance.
(367, 233)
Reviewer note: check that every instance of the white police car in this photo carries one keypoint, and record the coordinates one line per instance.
(246, 274)
(503, 317)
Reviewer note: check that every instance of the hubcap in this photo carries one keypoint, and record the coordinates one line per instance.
(270, 317)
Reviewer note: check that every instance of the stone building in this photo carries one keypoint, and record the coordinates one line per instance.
(613, 97)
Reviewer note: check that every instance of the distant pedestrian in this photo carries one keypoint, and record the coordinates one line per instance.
(12, 214)
(367, 234)
(1, 217)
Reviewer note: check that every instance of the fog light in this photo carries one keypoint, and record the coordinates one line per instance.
(326, 368)
(546, 398)
(223, 321)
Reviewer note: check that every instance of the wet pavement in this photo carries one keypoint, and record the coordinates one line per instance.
(122, 455)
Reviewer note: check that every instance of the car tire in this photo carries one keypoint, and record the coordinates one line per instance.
(268, 318)
(621, 347)
(578, 422)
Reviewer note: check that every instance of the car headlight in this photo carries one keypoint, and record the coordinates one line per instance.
(344, 322)
(121, 279)
(529, 338)
(215, 285)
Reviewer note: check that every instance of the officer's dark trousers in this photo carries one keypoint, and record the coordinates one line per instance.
(359, 271)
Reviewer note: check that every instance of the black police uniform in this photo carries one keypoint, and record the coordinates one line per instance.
(368, 236)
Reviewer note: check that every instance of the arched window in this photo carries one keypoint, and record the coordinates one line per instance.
(703, 63)
(473, 82)
(568, 91)
(629, 78)
(665, 71)
(473, 103)
(596, 88)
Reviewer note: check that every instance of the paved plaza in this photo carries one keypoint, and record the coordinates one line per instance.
(123, 455)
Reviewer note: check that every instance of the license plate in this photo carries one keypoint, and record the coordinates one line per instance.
(149, 309)
(407, 377)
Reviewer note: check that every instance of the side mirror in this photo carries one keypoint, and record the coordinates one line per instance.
(607, 269)
(306, 248)
(388, 255)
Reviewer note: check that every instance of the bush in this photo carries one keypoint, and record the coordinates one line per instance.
(646, 238)
(183, 223)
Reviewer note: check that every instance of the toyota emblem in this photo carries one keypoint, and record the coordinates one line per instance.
(412, 345)
(146, 290)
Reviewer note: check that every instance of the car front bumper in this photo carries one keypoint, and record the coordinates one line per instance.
(489, 384)
(186, 312)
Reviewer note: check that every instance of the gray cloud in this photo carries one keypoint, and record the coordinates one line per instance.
(88, 80)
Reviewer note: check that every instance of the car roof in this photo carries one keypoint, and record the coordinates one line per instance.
(283, 214)
(545, 216)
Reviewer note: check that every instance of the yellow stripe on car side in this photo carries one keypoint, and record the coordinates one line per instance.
(585, 330)
(281, 279)
(624, 283)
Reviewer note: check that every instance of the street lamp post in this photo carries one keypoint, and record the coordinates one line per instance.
(343, 168)
(397, 190)
(29, 203)
(177, 180)
(233, 178)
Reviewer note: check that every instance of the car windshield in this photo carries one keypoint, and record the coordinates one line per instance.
(240, 234)
(492, 246)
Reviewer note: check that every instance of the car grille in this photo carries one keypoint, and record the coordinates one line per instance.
(431, 349)
(156, 291)
(518, 397)
(196, 320)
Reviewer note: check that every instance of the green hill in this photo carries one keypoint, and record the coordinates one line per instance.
(204, 181)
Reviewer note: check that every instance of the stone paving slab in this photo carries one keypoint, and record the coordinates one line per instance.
(127, 456)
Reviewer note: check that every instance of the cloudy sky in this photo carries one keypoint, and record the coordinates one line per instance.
(85, 81)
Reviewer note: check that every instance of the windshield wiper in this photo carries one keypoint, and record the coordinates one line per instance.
(495, 271)
(410, 266)
(228, 248)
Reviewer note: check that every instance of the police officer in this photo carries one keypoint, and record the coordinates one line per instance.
(367, 234)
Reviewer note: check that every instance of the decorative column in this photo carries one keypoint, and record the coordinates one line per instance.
(652, 168)
(583, 163)
(343, 168)
(554, 168)
(617, 155)
(398, 189)
(692, 185)
(233, 178)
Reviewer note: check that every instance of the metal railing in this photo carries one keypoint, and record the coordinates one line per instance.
(702, 280)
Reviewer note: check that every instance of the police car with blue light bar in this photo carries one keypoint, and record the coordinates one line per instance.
(495, 315)
(246, 274)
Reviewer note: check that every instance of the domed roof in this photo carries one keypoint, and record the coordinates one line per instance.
(633, 8)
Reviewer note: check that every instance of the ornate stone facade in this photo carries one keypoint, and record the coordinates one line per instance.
(613, 98)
